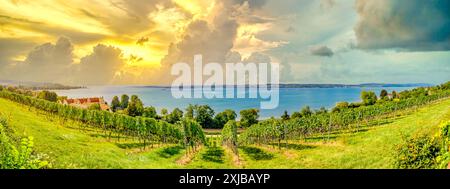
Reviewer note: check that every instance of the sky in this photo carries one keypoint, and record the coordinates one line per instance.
(135, 42)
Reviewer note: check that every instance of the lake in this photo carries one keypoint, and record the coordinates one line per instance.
(291, 99)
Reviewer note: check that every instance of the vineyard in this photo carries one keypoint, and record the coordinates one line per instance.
(141, 128)
(275, 131)
(265, 140)
(230, 136)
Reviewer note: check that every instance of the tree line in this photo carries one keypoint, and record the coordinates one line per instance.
(134, 107)
(202, 114)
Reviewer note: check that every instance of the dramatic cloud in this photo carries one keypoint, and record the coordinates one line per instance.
(212, 43)
(45, 62)
(415, 25)
(233, 57)
(257, 58)
(101, 66)
(252, 3)
(321, 51)
(55, 62)
(212, 40)
(11, 48)
(52, 54)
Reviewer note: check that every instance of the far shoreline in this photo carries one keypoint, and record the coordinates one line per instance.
(284, 85)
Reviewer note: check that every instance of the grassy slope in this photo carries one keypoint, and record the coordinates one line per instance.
(74, 149)
(373, 148)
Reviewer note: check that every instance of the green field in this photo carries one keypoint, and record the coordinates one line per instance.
(65, 146)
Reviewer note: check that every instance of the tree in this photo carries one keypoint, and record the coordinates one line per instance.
(306, 111)
(62, 98)
(249, 117)
(394, 95)
(285, 116)
(47, 95)
(175, 116)
(190, 111)
(383, 94)
(355, 104)
(135, 107)
(223, 117)
(296, 115)
(94, 107)
(322, 110)
(150, 112)
(204, 116)
(368, 97)
(124, 101)
(115, 104)
(164, 112)
(340, 106)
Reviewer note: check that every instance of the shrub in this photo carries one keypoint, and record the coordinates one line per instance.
(18, 158)
(368, 98)
(94, 107)
(249, 117)
(48, 95)
(230, 136)
(340, 106)
(418, 152)
(150, 112)
(444, 132)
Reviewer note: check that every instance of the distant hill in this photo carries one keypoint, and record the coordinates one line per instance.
(395, 85)
(285, 85)
(353, 85)
(55, 86)
(37, 85)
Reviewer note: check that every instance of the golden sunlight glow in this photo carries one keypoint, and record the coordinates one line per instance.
(9, 31)
(171, 21)
(141, 30)
(246, 41)
(41, 21)
(199, 9)
(52, 14)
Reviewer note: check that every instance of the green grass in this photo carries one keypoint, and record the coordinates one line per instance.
(372, 147)
(211, 157)
(70, 148)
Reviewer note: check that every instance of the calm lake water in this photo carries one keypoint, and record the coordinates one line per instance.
(291, 99)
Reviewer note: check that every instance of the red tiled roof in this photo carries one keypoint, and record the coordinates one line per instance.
(83, 100)
(97, 100)
(87, 101)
